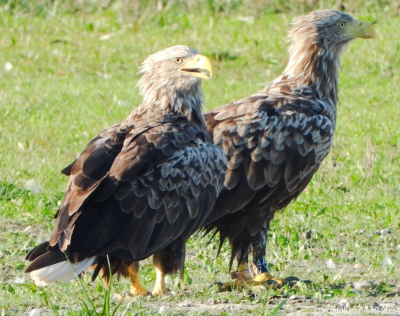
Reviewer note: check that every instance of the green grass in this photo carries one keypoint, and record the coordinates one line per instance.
(74, 73)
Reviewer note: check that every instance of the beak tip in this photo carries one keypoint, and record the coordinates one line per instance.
(368, 31)
(200, 66)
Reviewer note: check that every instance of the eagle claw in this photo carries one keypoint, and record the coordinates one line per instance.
(262, 279)
(292, 279)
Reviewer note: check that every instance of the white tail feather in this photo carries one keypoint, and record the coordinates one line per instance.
(62, 271)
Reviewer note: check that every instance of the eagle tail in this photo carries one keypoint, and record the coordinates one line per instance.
(239, 239)
(62, 271)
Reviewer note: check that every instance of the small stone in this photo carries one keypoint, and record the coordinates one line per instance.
(330, 264)
(32, 186)
(295, 297)
(362, 285)
(19, 280)
(246, 19)
(105, 37)
(8, 66)
(186, 303)
(261, 288)
(161, 309)
(383, 232)
(28, 229)
(306, 235)
(359, 266)
(117, 297)
(35, 312)
(344, 304)
(388, 261)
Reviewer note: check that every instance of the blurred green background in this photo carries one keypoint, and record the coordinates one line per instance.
(68, 69)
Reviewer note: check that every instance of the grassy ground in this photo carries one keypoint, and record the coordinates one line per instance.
(68, 75)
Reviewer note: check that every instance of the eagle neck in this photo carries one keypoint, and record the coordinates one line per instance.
(316, 66)
(172, 102)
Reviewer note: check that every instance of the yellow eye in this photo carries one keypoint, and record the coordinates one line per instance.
(178, 60)
(342, 24)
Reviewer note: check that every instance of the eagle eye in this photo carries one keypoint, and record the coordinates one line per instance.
(178, 60)
(342, 24)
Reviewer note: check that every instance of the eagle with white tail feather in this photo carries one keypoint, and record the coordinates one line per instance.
(140, 185)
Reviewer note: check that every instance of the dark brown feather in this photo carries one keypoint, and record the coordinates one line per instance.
(141, 184)
(276, 139)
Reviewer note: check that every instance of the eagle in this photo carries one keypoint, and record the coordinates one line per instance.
(276, 139)
(140, 185)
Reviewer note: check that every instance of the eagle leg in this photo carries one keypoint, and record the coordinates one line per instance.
(136, 287)
(259, 266)
(243, 278)
(159, 287)
(170, 260)
(255, 273)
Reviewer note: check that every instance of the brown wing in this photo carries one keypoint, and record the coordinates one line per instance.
(274, 143)
(160, 185)
(86, 173)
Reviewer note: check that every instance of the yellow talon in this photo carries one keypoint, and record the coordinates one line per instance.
(244, 280)
(266, 277)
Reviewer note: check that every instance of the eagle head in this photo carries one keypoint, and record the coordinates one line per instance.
(173, 75)
(329, 29)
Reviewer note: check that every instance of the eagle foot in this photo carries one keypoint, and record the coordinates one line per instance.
(267, 279)
(159, 292)
(130, 295)
(264, 279)
(138, 291)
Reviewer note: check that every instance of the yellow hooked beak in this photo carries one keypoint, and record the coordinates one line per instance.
(360, 29)
(198, 66)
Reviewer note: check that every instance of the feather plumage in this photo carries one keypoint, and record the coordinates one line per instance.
(276, 139)
(117, 202)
